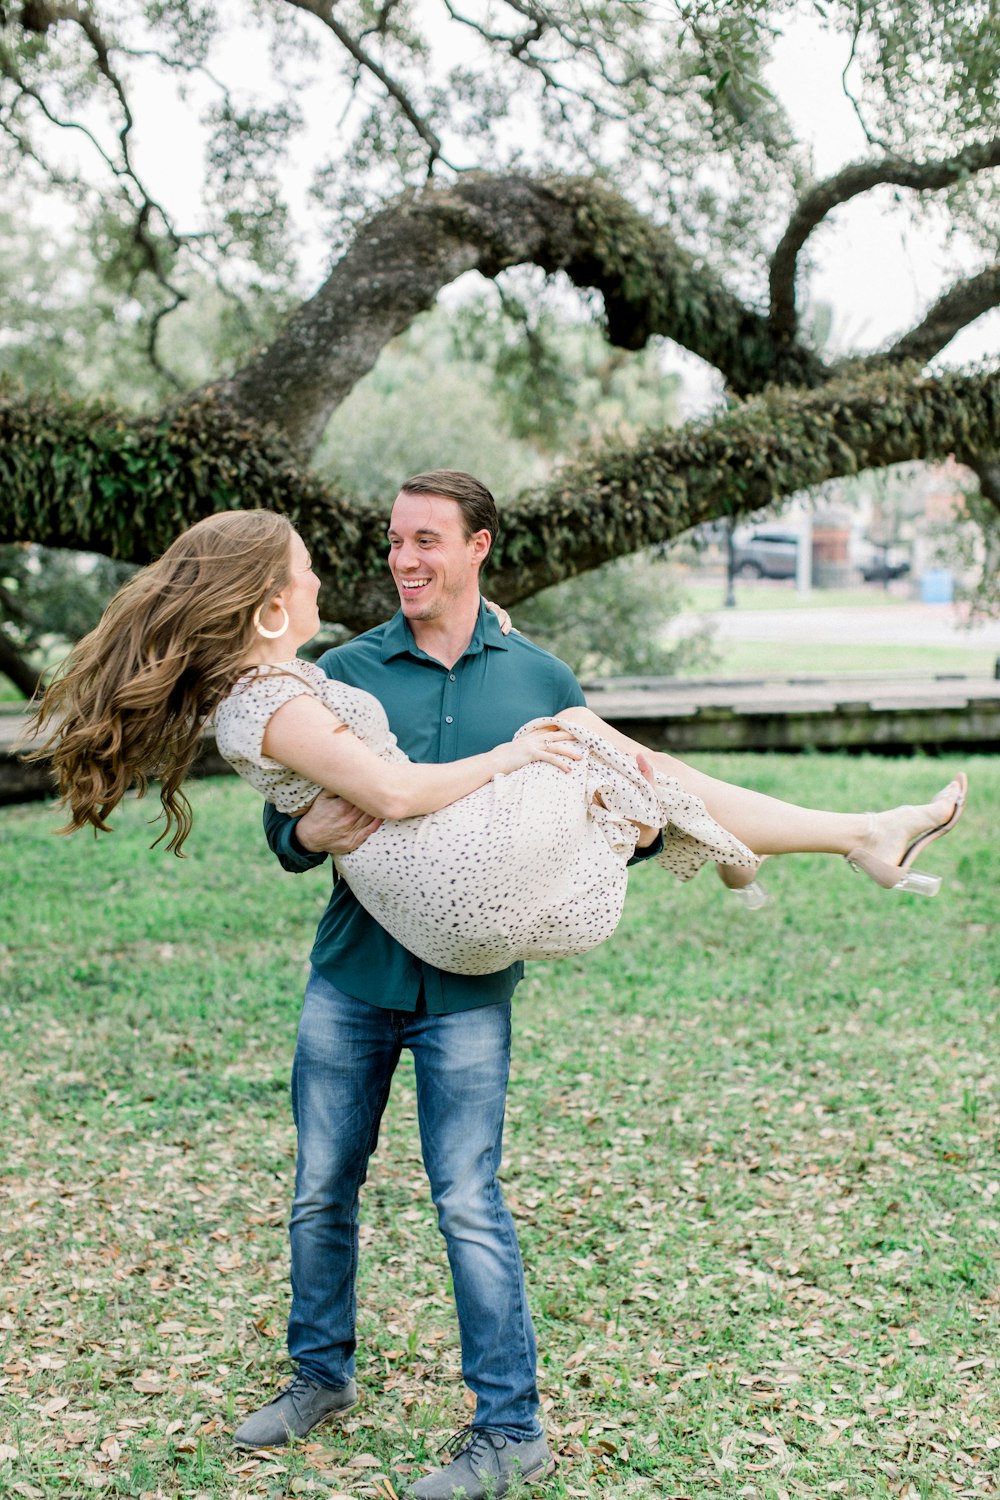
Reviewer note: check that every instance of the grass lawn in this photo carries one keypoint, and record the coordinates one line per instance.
(708, 593)
(754, 1159)
(792, 658)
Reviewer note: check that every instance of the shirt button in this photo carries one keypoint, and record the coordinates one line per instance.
(448, 719)
(451, 677)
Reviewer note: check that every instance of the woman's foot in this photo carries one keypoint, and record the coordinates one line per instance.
(895, 838)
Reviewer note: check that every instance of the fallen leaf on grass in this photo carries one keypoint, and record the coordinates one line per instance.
(49, 1362)
(148, 1383)
(49, 1408)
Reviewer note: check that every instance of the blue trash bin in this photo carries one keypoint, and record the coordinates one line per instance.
(937, 586)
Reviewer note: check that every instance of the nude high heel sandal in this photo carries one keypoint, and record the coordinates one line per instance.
(902, 877)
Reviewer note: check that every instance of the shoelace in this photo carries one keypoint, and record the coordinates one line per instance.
(299, 1385)
(470, 1439)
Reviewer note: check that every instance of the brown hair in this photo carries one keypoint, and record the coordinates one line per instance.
(130, 701)
(478, 507)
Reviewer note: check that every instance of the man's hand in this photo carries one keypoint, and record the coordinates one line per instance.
(333, 826)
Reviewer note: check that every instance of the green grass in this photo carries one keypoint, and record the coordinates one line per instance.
(793, 658)
(709, 594)
(755, 1162)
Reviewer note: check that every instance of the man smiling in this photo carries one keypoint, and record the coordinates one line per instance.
(430, 571)
(452, 686)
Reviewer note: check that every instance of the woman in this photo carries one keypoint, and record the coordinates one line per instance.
(479, 861)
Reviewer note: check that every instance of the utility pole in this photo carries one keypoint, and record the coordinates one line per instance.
(730, 599)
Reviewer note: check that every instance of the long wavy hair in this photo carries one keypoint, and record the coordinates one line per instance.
(130, 702)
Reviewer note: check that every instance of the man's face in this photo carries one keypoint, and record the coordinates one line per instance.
(435, 566)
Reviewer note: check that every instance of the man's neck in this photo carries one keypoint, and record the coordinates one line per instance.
(447, 638)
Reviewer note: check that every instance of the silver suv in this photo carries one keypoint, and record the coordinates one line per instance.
(766, 554)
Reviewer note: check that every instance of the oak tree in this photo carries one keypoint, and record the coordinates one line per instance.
(633, 152)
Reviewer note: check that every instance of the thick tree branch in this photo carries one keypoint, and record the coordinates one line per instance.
(612, 502)
(401, 258)
(986, 467)
(961, 305)
(622, 499)
(25, 677)
(851, 182)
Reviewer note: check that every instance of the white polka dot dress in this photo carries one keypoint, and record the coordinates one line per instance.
(532, 865)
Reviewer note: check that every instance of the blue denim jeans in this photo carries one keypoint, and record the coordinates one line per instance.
(346, 1055)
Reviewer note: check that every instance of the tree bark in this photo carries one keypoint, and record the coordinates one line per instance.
(20, 672)
(402, 257)
(967, 300)
(622, 499)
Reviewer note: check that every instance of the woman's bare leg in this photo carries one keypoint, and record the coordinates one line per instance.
(769, 826)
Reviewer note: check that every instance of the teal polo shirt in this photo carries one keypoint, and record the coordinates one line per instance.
(437, 713)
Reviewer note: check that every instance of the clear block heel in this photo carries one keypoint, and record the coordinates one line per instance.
(752, 896)
(743, 884)
(893, 877)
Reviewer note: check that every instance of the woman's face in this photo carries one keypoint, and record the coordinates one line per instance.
(299, 596)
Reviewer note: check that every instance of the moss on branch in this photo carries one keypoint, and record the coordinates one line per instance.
(89, 477)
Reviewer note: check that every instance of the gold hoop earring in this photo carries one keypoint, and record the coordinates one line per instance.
(270, 635)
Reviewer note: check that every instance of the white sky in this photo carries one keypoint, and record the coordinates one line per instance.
(877, 270)
(869, 256)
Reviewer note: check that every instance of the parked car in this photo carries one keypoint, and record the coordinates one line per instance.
(882, 564)
(766, 554)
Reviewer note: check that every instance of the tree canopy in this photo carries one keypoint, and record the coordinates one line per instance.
(631, 155)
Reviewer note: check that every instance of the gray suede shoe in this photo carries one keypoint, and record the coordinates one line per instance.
(485, 1466)
(293, 1412)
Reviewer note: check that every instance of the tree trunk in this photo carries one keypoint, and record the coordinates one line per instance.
(13, 665)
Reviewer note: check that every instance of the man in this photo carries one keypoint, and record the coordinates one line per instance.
(452, 686)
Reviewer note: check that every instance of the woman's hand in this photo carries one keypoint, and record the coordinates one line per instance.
(558, 747)
(502, 616)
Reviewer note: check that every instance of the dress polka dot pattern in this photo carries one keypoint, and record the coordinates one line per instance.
(532, 865)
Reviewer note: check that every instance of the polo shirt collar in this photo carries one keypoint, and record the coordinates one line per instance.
(397, 638)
